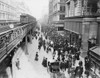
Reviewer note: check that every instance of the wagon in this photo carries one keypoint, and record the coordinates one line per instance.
(55, 66)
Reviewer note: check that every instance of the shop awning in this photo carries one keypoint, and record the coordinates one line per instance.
(94, 54)
(71, 31)
(96, 50)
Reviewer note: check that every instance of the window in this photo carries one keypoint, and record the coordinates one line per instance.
(60, 28)
(2, 6)
(3, 15)
(68, 5)
(0, 15)
(62, 17)
(62, 8)
(75, 3)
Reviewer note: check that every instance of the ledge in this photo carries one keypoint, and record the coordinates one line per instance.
(83, 16)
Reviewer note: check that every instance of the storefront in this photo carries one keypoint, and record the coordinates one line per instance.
(84, 26)
(73, 25)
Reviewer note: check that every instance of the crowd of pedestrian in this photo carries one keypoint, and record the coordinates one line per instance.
(65, 56)
(67, 59)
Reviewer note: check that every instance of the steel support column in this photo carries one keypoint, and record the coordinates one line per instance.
(26, 52)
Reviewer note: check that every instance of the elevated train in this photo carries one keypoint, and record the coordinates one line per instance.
(26, 18)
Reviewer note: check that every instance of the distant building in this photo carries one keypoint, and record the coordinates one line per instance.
(10, 11)
(56, 12)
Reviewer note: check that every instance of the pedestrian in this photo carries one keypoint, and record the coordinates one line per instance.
(54, 54)
(36, 56)
(44, 63)
(18, 63)
(69, 65)
(47, 49)
(77, 55)
(49, 67)
(39, 46)
(73, 59)
(59, 53)
(58, 58)
(66, 64)
(87, 73)
(79, 70)
(44, 47)
(87, 66)
(87, 63)
(63, 58)
(62, 65)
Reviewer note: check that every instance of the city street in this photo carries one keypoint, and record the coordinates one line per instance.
(50, 39)
(29, 68)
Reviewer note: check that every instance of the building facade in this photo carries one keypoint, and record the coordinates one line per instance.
(82, 25)
(9, 12)
(56, 12)
(81, 20)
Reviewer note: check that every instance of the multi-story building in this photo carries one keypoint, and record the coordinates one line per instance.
(81, 20)
(82, 24)
(9, 12)
(56, 12)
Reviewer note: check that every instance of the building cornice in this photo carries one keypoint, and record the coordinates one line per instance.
(83, 16)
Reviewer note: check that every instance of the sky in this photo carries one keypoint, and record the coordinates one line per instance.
(38, 8)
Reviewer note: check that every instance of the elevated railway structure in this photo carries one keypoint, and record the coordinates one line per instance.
(10, 39)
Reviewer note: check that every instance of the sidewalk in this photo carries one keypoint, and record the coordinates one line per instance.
(38, 68)
(26, 69)
(29, 68)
